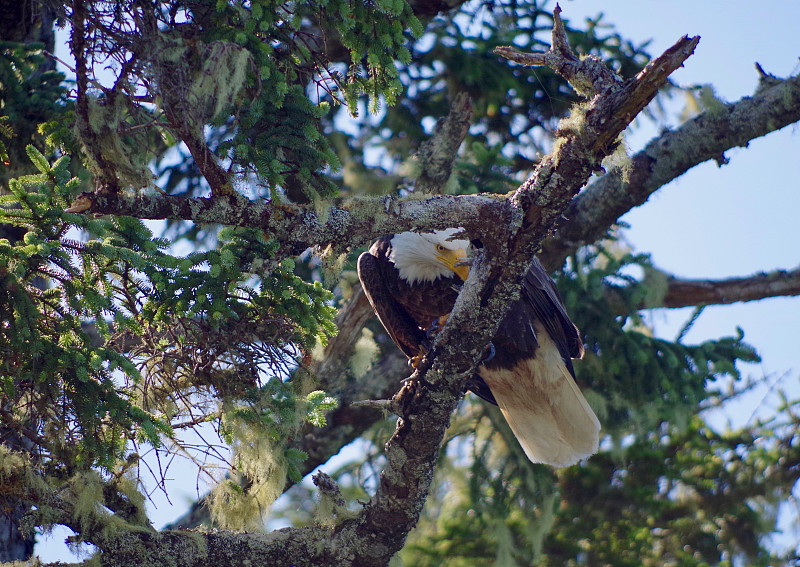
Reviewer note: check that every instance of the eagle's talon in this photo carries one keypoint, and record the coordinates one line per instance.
(437, 325)
(415, 360)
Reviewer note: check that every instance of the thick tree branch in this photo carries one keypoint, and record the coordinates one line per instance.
(667, 157)
(479, 214)
(439, 152)
(686, 293)
(355, 222)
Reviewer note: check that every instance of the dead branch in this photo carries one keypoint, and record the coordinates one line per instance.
(686, 293)
(667, 157)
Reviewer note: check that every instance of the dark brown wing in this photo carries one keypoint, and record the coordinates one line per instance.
(398, 323)
(539, 301)
(540, 291)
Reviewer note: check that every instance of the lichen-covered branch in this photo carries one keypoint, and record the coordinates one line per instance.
(652, 168)
(437, 154)
(352, 223)
(667, 157)
(589, 217)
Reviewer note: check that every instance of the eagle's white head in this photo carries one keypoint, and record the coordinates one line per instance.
(425, 257)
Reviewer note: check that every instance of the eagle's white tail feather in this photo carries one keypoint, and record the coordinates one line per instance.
(544, 407)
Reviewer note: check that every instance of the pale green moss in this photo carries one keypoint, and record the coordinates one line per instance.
(12, 464)
(657, 284)
(221, 77)
(258, 459)
(107, 117)
(619, 159)
(365, 352)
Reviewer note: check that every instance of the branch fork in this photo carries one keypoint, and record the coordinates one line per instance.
(494, 277)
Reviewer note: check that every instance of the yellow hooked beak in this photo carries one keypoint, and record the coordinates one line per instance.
(456, 260)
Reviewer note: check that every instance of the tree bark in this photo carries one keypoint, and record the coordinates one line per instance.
(687, 293)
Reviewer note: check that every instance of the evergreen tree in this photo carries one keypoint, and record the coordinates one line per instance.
(277, 139)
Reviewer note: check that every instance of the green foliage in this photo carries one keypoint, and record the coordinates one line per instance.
(203, 324)
(318, 405)
(515, 109)
(236, 76)
(642, 380)
(689, 497)
(47, 358)
(30, 94)
(5, 132)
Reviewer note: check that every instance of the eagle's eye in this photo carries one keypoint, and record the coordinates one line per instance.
(439, 248)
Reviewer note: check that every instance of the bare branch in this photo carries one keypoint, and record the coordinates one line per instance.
(685, 293)
(672, 293)
(106, 180)
(439, 152)
(667, 157)
(588, 76)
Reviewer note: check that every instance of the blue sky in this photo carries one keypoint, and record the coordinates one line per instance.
(741, 218)
(713, 222)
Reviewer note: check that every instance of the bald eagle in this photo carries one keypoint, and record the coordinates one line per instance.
(413, 279)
